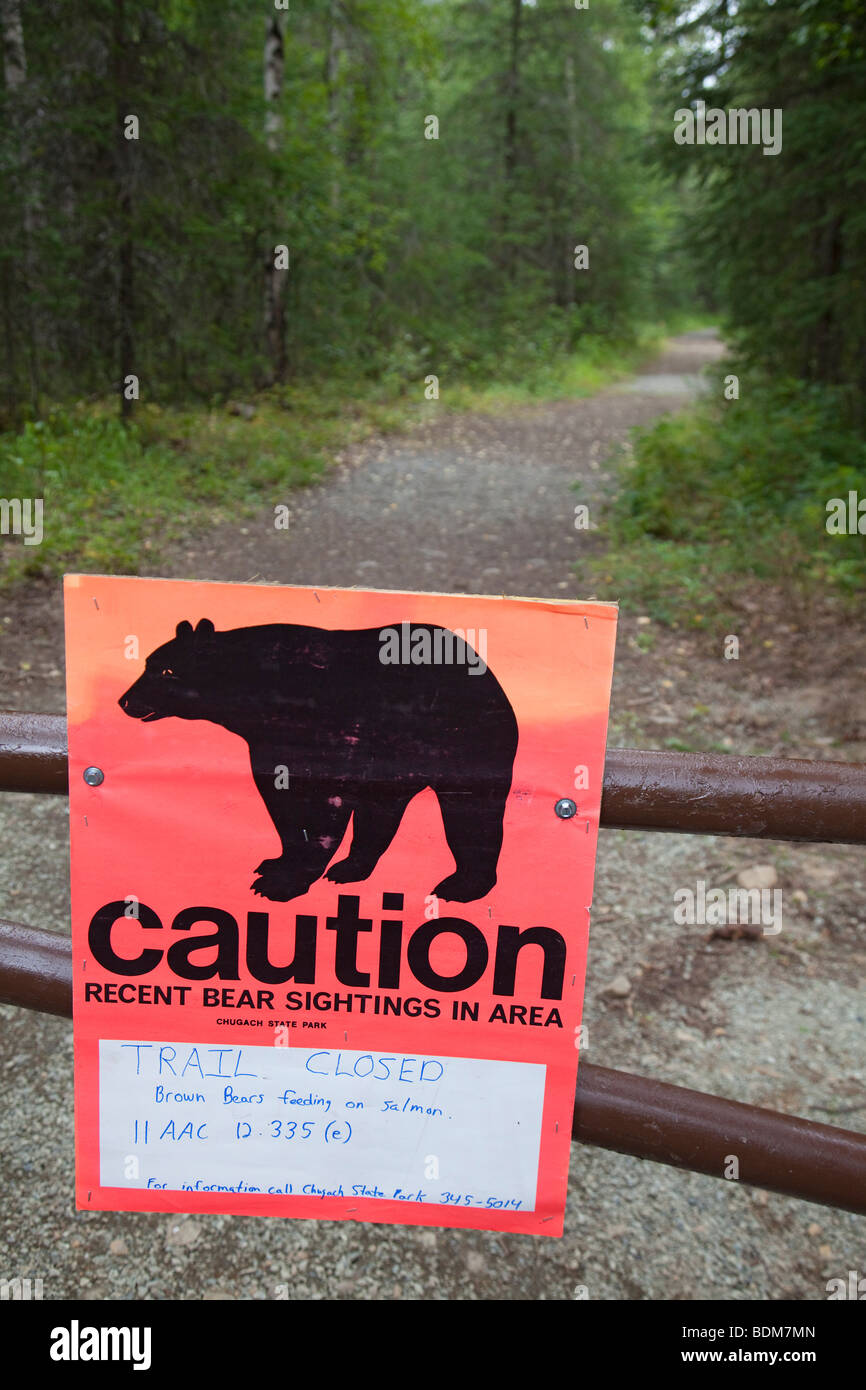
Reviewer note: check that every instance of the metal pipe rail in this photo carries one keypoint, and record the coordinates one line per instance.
(689, 793)
(696, 793)
(612, 1109)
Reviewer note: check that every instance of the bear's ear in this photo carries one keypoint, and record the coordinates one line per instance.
(184, 629)
(204, 628)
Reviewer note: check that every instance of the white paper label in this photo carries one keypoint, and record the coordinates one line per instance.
(320, 1122)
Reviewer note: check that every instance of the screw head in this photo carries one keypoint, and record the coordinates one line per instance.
(93, 776)
(565, 808)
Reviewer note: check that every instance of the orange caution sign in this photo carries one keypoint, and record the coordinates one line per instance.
(332, 866)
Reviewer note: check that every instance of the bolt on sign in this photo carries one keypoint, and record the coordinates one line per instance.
(332, 864)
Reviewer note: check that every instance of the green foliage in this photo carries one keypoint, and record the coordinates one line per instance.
(182, 196)
(412, 256)
(407, 255)
(733, 492)
(730, 492)
(113, 495)
(531, 373)
(779, 240)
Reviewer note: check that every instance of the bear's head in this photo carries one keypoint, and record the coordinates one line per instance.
(175, 683)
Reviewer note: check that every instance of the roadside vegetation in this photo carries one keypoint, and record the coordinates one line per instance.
(114, 492)
(728, 493)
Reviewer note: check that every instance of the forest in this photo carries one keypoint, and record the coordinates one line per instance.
(404, 308)
(301, 219)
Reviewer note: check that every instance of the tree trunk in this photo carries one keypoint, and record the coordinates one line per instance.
(512, 94)
(14, 57)
(574, 233)
(332, 64)
(126, 249)
(15, 78)
(275, 279)
(827, 340)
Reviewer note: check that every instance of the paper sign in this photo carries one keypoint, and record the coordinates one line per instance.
(332, 863)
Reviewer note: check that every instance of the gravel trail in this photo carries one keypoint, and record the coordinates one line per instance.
(481, 504)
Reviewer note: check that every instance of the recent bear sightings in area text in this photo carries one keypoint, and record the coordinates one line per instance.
(360, 738)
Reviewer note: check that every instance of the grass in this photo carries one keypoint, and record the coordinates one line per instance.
(111, 493)
(599, 363)
(728, 493)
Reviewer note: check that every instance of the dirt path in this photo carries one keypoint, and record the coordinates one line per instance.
(482, 504)
(465, 504)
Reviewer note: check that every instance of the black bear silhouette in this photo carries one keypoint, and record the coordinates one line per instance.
(335, 730)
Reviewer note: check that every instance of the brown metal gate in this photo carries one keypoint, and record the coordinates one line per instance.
(695, 793)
